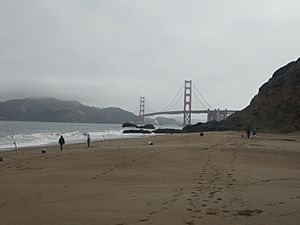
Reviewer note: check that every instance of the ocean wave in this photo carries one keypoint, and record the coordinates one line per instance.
(47, 139)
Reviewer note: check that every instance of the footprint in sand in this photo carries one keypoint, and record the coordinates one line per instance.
(248, 212)
(3, 204)
(153, 212)
(190, 222)
(144, 220)
(212, 212)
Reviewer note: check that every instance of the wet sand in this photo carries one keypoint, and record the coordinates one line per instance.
(185, 179)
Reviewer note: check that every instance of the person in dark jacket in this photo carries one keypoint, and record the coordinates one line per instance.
(248, 132)
(254, 131)
(61, 142)
(88, 140)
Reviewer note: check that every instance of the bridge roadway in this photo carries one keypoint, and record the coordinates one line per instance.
(192, 111)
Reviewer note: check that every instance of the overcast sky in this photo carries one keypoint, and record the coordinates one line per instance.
(111, 52)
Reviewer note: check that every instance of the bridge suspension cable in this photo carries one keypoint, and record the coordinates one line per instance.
(174, 99)
(205, 106)
(148, 107)
(171, 106)
(209, 106)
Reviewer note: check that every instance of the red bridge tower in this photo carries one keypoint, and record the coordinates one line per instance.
(187, 104)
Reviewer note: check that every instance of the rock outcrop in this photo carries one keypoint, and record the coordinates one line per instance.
(140, 131)
(276, 107)
(129, 124)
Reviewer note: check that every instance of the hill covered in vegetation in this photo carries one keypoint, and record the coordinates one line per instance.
(54, 110)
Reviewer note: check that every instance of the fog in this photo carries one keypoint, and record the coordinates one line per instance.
(109, 53)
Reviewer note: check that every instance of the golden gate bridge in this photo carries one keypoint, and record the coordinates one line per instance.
(188, 93)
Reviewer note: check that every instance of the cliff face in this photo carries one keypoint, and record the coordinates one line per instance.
(54, 110)
(277, 105)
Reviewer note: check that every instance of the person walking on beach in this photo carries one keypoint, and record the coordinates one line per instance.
(88, 140)
(61, 142)
(254, 131)
(248, 132)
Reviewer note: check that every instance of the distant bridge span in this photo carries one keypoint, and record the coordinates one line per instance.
(192, 111)
(187, 111)
(216, 114)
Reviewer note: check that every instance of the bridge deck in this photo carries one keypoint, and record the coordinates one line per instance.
(192, 111)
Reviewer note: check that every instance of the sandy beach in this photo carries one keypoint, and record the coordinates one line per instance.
(220, 178)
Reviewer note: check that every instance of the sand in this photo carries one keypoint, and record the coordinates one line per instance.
(220, 178)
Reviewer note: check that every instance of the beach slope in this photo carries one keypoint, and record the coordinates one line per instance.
(220, 178)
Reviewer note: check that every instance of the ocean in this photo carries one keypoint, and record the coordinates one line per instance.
(29, 134)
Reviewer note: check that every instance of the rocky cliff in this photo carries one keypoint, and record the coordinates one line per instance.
(276, 107)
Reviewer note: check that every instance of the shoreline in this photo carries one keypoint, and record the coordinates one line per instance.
(137, 136)
(130, 136)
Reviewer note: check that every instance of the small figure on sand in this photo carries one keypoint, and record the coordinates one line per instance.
(248, 132)
(16, 147)
(254, 131)
(88, 140)
(201, 134)
(61, 142)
